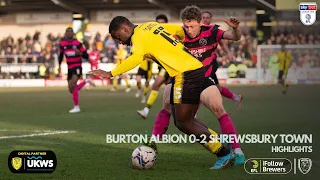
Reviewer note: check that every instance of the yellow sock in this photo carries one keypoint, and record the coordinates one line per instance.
(152, 98)
(127, 82)
(214, 146)
(115, 82)
(139, 85)
(145, 90)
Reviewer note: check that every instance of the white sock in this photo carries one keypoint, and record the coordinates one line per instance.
(77, 107)
(238, 151)
(146, 110)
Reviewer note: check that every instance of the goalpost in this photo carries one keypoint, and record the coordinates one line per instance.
(304, 67)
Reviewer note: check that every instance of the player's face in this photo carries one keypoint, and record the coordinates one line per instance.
(161, 21)
(69, 33)
(206, 18)
(122, 36)
(192, 28)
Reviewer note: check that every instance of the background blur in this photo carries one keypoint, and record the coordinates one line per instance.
(32, 29)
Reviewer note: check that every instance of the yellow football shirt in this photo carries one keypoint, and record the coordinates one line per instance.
(284, 59)
(146, 65)
(120, 56)
(152, 40)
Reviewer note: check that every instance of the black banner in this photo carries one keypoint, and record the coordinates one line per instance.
(32, 161)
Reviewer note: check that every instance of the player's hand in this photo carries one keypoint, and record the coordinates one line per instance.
(232, 22)
(101, 73)
(77, 52)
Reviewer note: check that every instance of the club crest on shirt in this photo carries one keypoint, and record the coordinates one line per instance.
(203, 42)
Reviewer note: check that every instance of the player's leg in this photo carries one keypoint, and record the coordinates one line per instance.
(281, 80)
(138, 79)
(148, 76)
(224, 90)
(74, 75)
(185, 97)
(153, 96)
(285, 85)
(212, 99)
(162, 120)
(125, 78)
(163, 117)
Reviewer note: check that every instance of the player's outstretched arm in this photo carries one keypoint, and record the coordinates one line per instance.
(130, 63)
(234, 34)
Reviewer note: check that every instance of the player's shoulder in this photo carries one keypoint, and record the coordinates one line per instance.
(211, 27)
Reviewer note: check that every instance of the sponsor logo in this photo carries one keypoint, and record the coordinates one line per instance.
(308, 13)
(268, 166)
(32, 161)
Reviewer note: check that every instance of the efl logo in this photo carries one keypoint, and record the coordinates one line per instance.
(32, 161)
(268, 166)
(308, 13)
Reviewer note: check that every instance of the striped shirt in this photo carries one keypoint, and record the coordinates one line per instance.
(204, 46)
(68, 49)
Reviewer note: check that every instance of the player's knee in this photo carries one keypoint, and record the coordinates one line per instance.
(184, 126)
(167, 106)
(71, 88)
(218, 110)
(157, 83)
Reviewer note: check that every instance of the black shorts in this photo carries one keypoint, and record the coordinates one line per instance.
(187, 87)
(163, 73)
(75, 71)
(145, 74)
(280, 75)
(213, 75)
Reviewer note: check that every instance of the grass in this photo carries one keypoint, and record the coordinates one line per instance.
(86, 155)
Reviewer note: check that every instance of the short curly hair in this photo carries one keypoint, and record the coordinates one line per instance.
(191, 13)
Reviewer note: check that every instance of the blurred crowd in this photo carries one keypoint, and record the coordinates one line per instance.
(29, 49)
(307, 57)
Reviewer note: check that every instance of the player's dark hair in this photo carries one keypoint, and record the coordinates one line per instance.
(69, 28)
(207, 13)
(162, 16)
(117, 22)
(191, 13)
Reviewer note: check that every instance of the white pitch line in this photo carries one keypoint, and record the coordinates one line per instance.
(25, 130)
(38, 134)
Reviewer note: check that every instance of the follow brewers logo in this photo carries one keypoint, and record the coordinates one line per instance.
(268, 166)
(32, 161)
(308, 13)
(304, 165)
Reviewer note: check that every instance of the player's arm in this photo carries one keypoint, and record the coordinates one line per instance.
(82, 51)
(60, 58)
(175, 30)
(130, 63)
(235, 33)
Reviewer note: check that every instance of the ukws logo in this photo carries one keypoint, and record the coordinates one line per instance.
(304, 165)
(308, 13)
(32, 161)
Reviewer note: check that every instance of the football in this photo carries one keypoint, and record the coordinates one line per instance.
(144, 157)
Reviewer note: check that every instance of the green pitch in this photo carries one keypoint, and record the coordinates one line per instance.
(84, 154)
